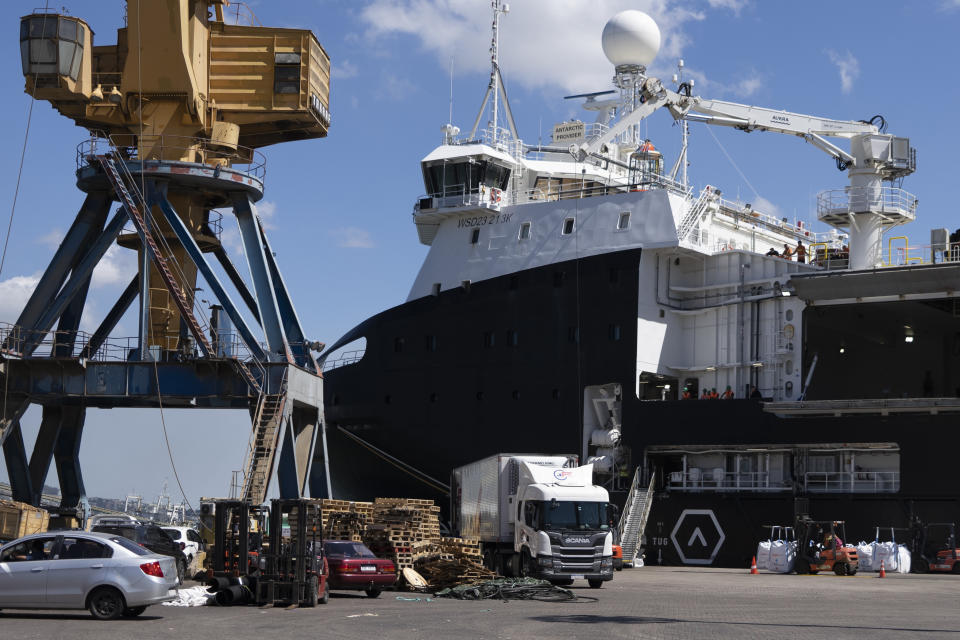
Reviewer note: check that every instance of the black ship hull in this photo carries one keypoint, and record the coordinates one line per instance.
(500, 365)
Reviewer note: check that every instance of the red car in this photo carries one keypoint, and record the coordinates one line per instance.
(353, 566)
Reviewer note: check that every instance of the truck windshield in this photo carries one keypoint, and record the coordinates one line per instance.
(574, 515)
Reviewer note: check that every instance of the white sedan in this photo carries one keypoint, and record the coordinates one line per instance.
(105, 573)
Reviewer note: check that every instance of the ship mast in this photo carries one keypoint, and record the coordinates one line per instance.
(495, 88)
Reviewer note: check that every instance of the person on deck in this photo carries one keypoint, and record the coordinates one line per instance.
(755, 393)
(705, 395)
(787, 252)
(801, 252)
(773, 252)
(727, 394)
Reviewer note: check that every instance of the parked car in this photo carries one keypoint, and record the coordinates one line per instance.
(189, 540)
(149, 536)
(353, 566)
(105, 573)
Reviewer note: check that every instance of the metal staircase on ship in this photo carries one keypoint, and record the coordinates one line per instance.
(633, 521)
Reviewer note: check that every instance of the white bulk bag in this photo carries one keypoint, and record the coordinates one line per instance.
(782, 556)
(865, 556)
(763, 555)
(887, 553)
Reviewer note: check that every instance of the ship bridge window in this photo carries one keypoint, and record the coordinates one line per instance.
(623, 222)
(450, 178)
(51, 44)
(525, 230)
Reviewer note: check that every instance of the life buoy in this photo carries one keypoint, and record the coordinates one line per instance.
(494, 195)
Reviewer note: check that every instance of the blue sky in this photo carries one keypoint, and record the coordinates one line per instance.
(339, 208)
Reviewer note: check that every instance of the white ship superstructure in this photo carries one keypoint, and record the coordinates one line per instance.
(714, 309)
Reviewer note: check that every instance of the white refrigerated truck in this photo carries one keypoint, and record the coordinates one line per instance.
(535, 515)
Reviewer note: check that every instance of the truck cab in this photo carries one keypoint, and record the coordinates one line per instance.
(562, 532)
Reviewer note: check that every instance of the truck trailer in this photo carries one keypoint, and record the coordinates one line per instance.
(535, 515)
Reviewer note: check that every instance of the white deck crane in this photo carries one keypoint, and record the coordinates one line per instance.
(864, 208)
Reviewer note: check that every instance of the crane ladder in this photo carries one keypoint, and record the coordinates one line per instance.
(262, 447)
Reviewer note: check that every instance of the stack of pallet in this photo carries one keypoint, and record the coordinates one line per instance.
(343, 520)
(404, 530)
(18, 519)
(459, 562)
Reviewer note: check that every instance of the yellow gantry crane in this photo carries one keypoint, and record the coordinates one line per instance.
(177, 109)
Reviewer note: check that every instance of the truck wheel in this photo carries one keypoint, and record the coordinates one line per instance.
(595, 584)
(526, 564)
(851, 572)
(840, 568)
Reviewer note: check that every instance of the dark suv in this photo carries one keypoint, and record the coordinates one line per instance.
(149, 536)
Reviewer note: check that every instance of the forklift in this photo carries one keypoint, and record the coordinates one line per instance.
(820, 547)
(295, 571)
(934, 547)
(237, 538)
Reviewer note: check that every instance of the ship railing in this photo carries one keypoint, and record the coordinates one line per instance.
(852, 481)
(900, 253)
(134, 148)
(744, 213)
(835, 206)
(719, 480)
(345, 358)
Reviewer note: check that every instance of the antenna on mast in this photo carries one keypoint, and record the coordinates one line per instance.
(496, 80)
(682, 163)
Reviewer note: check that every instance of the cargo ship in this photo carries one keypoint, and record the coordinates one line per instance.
(582, 297)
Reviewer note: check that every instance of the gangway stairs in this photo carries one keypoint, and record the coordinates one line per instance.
(123, 184)
(262, 448)
(693, 214)
(633, 521)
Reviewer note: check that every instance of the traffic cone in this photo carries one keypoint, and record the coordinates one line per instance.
(883, 571)
(753, 566)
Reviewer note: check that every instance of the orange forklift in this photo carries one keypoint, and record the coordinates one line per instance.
(820, 547)
(935, 548)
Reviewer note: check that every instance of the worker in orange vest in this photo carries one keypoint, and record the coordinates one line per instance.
(686, 394)
(728, 394)
(801, 252)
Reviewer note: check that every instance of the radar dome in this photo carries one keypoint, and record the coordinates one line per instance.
(631, 37)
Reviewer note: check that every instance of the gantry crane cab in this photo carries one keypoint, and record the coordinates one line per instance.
(55, 51)
(180, 69)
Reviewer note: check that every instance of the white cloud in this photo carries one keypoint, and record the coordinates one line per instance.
(749, 86)
(763, 205)
(352, 238)
(267, 211)
(14, 293)
(732, 5)
(344, 70)
(949, 5)
(117, 267)
(51, 239)
(847, 65)
(394, 88)
(577, 63)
